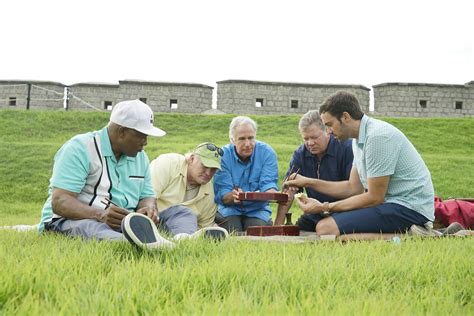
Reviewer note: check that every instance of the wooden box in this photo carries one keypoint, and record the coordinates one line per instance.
(282, 230)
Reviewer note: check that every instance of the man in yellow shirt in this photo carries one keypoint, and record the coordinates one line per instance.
(185, 194)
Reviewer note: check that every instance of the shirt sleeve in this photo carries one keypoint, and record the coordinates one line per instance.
(147, 186)
(269, 174)
(296, 162)
(208, 214)
(348, 157)
(160, 174)
(71, 167)
(223, 180)
(381, 154)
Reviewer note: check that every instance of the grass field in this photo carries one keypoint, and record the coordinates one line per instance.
(52, 274)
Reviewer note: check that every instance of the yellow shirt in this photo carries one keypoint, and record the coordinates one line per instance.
(168, 176)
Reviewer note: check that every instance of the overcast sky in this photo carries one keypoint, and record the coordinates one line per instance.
(204, 41)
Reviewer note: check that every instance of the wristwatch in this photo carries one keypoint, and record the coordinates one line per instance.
(326, 210)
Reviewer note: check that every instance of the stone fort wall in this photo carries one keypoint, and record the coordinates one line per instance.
(160, 96)
(43, 94)
(169, 96)
(263, 97)
(241, 97)
(424, 100)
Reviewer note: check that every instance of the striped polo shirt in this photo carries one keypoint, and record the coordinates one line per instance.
(383, 150)
(86, 165)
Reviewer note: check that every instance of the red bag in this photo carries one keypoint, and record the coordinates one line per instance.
(455, 210)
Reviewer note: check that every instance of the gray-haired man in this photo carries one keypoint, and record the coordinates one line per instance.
(320, 157)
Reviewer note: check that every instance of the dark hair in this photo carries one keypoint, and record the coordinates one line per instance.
(340, 102)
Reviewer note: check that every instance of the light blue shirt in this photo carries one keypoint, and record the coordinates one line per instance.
(383, 150)
(260, 173)
(86, 165)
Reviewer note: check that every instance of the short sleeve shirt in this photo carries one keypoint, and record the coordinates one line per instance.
(383, 150)
(86, 165)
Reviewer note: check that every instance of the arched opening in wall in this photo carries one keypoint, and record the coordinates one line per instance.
(259, 103)
(108, 105)
(173, 104)
(458, 105)
(12, 101)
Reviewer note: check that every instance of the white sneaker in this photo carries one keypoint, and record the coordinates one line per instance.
(452, 229)
(416, 230)
(142, 232)
(21, 228)
(212, 232)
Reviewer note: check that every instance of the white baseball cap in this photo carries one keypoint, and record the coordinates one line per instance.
(136, 115)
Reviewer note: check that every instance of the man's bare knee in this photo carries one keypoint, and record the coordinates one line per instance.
(327, 226)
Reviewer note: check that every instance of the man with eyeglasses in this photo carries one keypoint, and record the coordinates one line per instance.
(320, 157)
(184, 192)
(247, 165)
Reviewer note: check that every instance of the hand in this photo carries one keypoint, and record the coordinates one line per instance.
(113, 216)
(150, 212)
(309, 205)
(235, 195)
(290, 190)
(297, 181)
(291, 196)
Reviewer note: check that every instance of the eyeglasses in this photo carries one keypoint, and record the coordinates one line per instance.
(212, 147)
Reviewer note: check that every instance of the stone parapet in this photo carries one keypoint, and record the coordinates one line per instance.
(424, 100)
(260, 97)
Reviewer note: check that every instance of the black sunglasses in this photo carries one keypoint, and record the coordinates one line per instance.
(212, 147)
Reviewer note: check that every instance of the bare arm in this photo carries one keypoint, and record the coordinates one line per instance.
(336, 189)
(375, 195)
(282, 210)
(66, 204)
(147, 206)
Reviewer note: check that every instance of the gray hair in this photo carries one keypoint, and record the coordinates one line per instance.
(309, 118)
(236, 122)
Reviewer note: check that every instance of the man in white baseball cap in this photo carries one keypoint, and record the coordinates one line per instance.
(101, 185)
(136, 115)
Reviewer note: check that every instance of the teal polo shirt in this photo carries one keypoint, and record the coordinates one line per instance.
(383, 150)
(86, 165)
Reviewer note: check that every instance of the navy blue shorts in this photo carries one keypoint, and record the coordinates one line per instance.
(384, 218)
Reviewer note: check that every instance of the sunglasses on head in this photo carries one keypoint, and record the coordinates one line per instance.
(212, 147)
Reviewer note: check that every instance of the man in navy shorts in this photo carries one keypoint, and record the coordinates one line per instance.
(389, 188)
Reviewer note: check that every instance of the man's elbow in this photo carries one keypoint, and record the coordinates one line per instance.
(377, 199)
(57, 204)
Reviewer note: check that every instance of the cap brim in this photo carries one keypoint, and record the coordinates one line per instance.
(153, 131)
(210, 163)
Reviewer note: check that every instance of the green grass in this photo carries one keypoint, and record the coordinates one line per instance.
(50, 274)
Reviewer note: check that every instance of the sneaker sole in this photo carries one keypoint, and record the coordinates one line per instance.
(140, 231)
(215, 234)
(453, 228)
